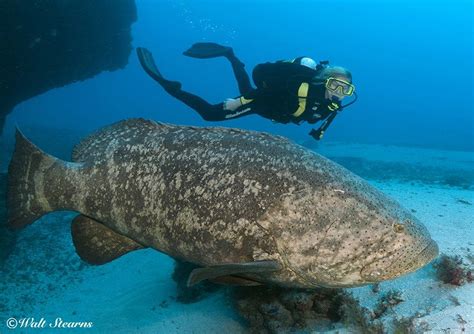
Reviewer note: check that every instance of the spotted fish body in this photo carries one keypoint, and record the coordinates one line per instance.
(215, 196)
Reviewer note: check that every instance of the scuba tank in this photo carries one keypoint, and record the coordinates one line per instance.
(275, 76)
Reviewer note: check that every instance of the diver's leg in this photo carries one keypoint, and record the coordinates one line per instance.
(209, 112)
(212, 112)
(148, 63)
(206, 50)
(240, 74)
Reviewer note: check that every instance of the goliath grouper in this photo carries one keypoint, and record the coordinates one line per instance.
(246, 207)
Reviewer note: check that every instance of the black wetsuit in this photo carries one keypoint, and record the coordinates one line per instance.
(276, 96)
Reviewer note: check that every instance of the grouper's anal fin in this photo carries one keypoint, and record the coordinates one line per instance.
(97, 244)
(225, 270)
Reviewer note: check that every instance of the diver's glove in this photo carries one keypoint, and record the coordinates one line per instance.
(232, 104)
(316, 134)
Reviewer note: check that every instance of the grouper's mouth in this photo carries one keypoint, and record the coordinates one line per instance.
(379, 271)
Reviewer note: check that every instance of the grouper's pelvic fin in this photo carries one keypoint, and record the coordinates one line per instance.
(26, 199)
(97, 244)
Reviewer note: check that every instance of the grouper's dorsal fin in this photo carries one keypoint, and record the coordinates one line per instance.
(96, 143)
(98, 244)
(212, 272)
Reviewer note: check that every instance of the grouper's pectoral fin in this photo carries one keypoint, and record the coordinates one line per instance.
(97, 244)
(234, 280)
(214, 272)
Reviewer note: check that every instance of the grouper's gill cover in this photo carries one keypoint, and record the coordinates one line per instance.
(217, 196)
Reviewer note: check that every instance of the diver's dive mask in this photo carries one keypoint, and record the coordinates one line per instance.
(339, 86)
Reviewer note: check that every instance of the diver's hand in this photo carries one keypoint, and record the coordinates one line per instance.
(232, 104)
(316, 134)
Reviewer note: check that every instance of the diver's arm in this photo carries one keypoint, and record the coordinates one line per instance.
(313, 120)
(319, 133)
(316, 134)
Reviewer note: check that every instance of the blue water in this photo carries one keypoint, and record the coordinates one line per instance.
(412, 63)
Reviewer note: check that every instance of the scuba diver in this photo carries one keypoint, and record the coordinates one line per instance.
(287, 91)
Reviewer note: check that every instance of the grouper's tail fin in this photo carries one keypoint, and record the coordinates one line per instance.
(24, 204)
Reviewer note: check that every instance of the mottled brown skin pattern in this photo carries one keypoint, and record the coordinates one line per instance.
(216, 195)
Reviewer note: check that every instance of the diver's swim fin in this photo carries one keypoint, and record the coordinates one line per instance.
(148, 64)
(208, 50)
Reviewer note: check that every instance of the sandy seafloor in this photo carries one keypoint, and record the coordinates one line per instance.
(44, 278)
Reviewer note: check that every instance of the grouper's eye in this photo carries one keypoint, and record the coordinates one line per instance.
(399, 228)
